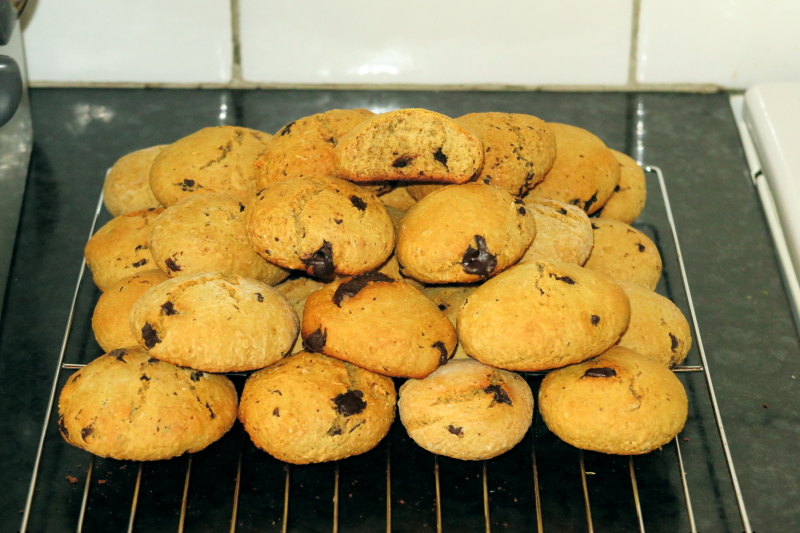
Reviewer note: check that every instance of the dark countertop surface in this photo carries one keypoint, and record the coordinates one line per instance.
(744, 316)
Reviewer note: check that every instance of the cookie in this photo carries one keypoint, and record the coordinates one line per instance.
(215, 159)
(129, 406)
(127, 184)
(207, 233)
(418, 191)
(119, 248)
(296, 290)
(304, 147)
(584, 172)
(518, 149)
(398, 198)
(657, 328)
(630, 195)
(380, 324)
(620, 402)
(563, 232)
(542, 315)
(409, 145)
(309, 408)
(110, 317)
(215, 323)
(623, 253)
(449, 299)
(463, 234)
(467, 410)
(320, 225)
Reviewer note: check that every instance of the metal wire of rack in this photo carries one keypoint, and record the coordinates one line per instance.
(541, 485)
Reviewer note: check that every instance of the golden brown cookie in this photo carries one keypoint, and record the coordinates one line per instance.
(420, 190)
(584, 172)
(296, 290)
(215, 323)
(467, 410)
(304, 147)
(449, 299)
(623, 253)
(110, 322)
(620, 402)
(320, 225)
(119, 249)
(215, 159)
(410, 145)
(380, 324)
(127, 184)
(398, 198)
(208, 233)
(309, 408)
(630, 194)
(518, 149)
(541, 315)
(657, 329)
(563, 232)
(130, 406)
(463, 234)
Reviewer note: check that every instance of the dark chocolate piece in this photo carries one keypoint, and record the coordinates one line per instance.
(440, 156)
(358, 203)
(85, 432)
(144, 377)
(140, 262)
(62, 428)
(402, 161)
(354, 285)
(259, 297)
(562, 211)
(187, 184)
(500, 395)
(321, 261)
(196, 375)
(316, 341)
(439, 345)
(566, 279)
(640, 246)
(119, 354)
(149, 336)
(480, 261)
(455, 430)
(589, 202)
(287, 128)
(168, 308)
(276, 412)
(211, 411)
(349, 403)
(675, 342)
(600, 372)
(172, 265)
(335, 431)
(595, 320)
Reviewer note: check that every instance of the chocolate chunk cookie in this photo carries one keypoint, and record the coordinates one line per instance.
(620, 402)
(563, 232)
(449, 299)
(309, 408)
(410, 145)
(623, 253)
(320, 225)
(296, 290)
(215, 323)
(378, 323)
(467, 410)
(630, 195)
(127, 184)
(541, 315)
(127, 405)
(463, 234)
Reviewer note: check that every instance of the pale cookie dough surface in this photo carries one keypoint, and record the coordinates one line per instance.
(563, 232)
(623, 253)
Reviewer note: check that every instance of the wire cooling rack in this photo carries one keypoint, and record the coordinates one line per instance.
(542, 485)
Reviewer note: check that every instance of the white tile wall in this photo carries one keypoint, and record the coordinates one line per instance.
(732, 43)
(140, 41)
(441, 42)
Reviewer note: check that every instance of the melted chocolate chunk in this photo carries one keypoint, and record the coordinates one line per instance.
(595, 320)
(139, 263)
(600, 372)
(350, 403)
(402, 161)
(172, 265)
(443, 307)
(85, 432)
(241, 207)
(62, 428)
(316, 341)
(149, 336)
(522, 211)
(440, 156)
(640, 246)
(589, 202)
(354, 285)
(321, 261)
(455, 430)
(287, 128)
(196, 375)
(480, 261)
(259, 297)
(358, 203)
(500, 395)
(439, 345)
(675, 342)
(168, 308)
(118, 354)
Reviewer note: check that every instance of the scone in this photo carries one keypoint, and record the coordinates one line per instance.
(320, 225)
(584, 172)
(657, 329)
(620, 402)
(463, 234)
(409, 145)
(630, 195)
(127, 184)
(127, 405)
(110, 322)
(208, 233)
(467, 410)
(119, 249)
(563, 232)
(215, 323)
(623, 253)
(518, 149)
(542, 315)
(380, 324)
(309, 408)
(215, 159)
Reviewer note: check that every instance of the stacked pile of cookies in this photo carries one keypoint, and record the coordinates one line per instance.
(448, 253)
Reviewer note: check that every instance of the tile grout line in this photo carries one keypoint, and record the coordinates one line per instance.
(634, 52)
(236, 42)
